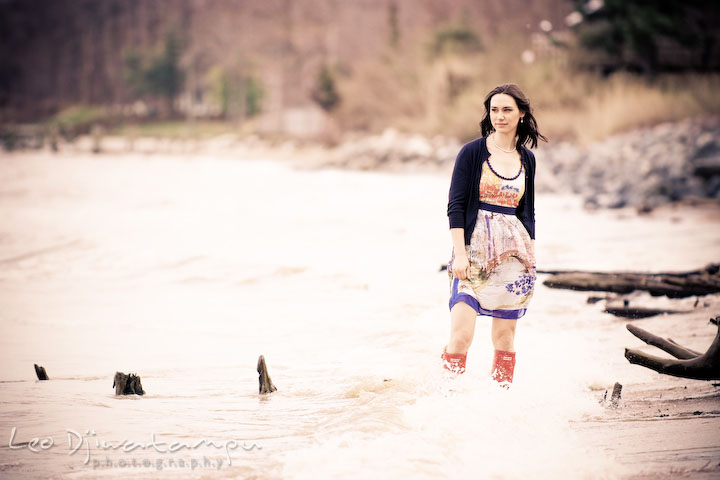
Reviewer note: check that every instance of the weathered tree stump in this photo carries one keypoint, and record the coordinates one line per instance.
(690, 364)
(266, 385)
(614, 397)
(616, 393)
(127, 384)
(674, 285)
(40, 372)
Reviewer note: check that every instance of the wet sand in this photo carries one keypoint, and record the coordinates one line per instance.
(184, 269)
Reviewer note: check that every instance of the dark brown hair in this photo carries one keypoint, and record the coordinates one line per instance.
(527, 130)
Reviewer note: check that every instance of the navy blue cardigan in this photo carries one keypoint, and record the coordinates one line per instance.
(464, 197)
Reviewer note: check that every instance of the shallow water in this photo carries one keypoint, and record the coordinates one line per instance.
(185, 269)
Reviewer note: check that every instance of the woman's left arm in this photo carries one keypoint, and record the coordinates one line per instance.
(533, 164)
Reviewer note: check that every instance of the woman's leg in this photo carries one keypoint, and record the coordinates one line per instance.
(462, 328)
(503, 334)
(503, 337)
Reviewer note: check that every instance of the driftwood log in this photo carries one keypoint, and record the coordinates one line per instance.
(127, 384)
(689, 363)
(40, 372)
(640, 312)
(266, 385)
(704, 281)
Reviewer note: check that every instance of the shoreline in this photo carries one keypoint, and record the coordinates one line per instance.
(644, 169)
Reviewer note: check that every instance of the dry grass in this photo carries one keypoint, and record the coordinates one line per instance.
(379, 95)
(445, 95)
(176, 129)
(607, 106)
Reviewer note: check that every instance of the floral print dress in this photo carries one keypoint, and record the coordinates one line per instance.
(501, 253)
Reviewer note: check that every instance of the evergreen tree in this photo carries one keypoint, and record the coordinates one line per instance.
(325, 92)
(158, 76)
(628, 30)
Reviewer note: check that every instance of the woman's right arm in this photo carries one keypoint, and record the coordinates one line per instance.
(460, 264)
(457, 203)
(457, 198)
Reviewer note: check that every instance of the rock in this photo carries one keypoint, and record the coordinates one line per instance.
(393, 148)
(418, 146)
(643, 168)
(707, 167)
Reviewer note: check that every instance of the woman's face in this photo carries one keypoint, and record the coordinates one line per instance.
(504, 113)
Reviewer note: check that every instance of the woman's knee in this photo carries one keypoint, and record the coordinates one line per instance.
(461, 339)
(503, 334)
(462, 332)
(462, 327)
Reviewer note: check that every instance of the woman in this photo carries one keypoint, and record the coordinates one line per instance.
(492, 225)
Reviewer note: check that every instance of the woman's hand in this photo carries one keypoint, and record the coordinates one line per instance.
(460, 263)
(461, 266)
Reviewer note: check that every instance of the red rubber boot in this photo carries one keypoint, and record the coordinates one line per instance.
(503, 367)
(455, 362)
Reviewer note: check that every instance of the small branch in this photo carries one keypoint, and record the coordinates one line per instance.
(677, 351)
(689, 350)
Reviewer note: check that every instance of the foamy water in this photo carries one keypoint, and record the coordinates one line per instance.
(184, 270)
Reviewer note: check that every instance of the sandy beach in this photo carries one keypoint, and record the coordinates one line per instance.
(184, 268)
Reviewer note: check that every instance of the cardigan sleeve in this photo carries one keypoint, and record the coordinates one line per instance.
(531, 200)
(526, 207)
(457, 198)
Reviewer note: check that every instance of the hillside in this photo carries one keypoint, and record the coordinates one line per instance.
(320, 68)
(68, 52)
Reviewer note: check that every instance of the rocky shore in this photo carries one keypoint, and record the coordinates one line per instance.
(644, 168)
